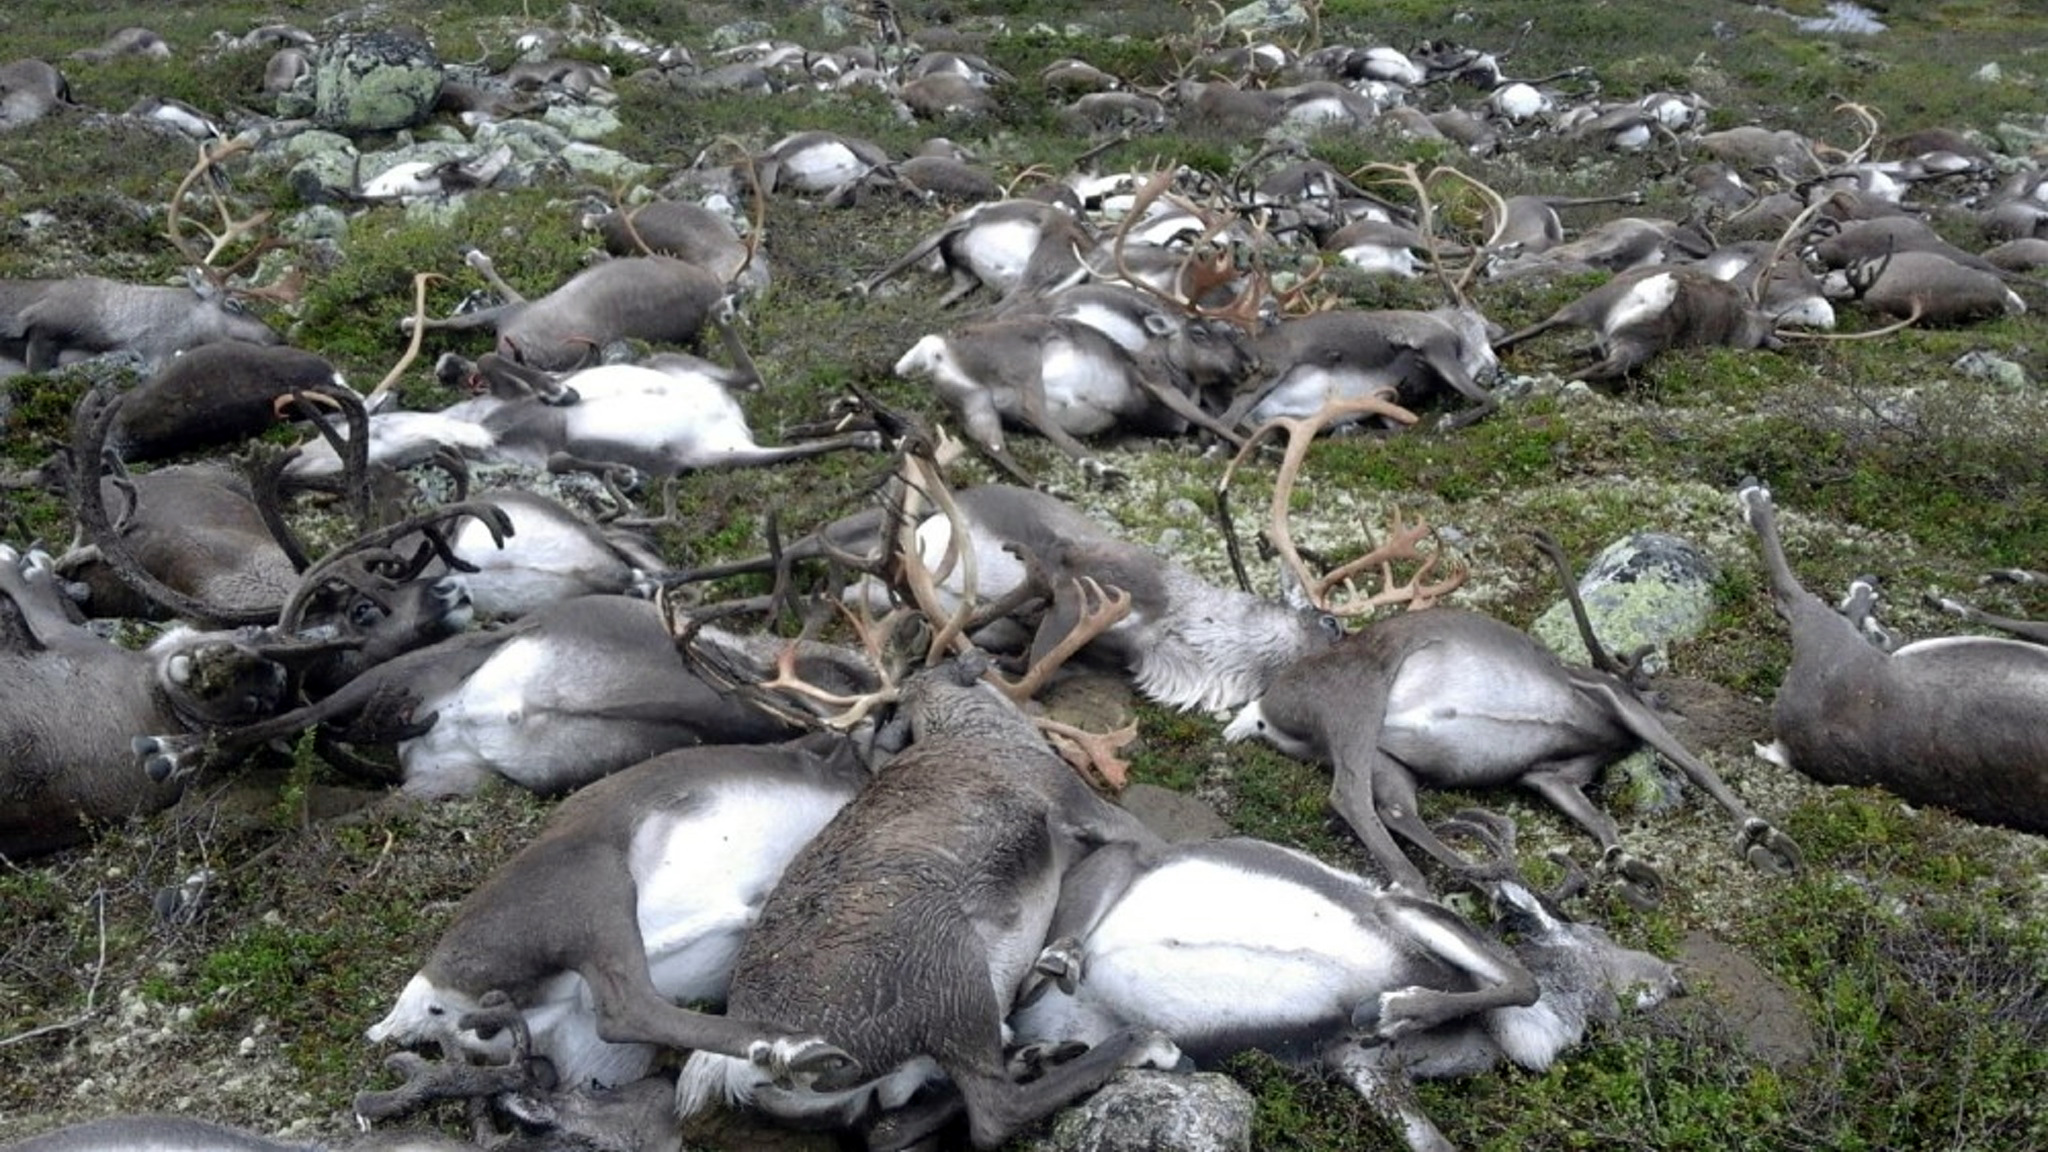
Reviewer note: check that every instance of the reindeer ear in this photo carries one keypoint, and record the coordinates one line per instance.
(1517, 910)
(202, 287)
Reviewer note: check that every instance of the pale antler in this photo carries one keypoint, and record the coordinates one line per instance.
(1403, 544)
(231, 230)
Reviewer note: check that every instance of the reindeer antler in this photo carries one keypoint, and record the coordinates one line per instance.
(1402, 545)
(231, 229)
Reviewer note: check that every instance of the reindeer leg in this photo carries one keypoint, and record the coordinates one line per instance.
(1359, 766)
(1395, 798)
(1498, 979)
(998, 1107)
(30, 581)
(1382, 1080)
(1764, 846)
(1563, 785)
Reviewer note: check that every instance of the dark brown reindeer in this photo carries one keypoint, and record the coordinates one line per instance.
(1459, 699)
(905, 928)
(1951, 721)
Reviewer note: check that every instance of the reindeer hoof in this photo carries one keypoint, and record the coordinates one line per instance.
(1031, 1061)
(1157, 1050)
(1769, 850)
(1392, 1015)
(1103, 475)
(1638, 883)
(823, 1067)
(156, 756)
(1061, 962)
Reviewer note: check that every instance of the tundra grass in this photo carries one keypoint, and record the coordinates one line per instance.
(1913, 949)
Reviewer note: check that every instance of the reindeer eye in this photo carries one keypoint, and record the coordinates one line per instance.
(436, 1010)
(365, 613)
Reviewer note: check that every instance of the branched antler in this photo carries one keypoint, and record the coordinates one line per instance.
(1402, 545)
(231, 230)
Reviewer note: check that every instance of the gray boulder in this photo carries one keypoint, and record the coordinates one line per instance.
(375, 82)
(1146, 1111)
(1648, 588)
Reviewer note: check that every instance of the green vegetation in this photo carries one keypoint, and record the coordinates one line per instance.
(1914, 950)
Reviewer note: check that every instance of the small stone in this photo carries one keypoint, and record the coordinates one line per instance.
(1982, 365)
(1167, 1111)
(590, 162)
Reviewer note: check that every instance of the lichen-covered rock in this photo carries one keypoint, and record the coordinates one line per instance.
(1649, 588)
(530, 140)
(375, 82)
(1267, 16)
(582, 122)
(1146, 1111)
(590, 162)
(740, 32)
(1174, 816)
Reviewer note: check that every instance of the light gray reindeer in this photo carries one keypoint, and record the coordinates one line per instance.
(1951, 721)
(1232, 945)
(30, 90)
(673, 859)
(659, 419)
(1430, 696)
(44, 321)
(1186, 642)
(654, 298)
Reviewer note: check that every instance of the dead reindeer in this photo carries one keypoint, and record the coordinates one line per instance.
(1431, 696)
(672, 859)
(963, 838)
(1310, 361)
(1402, 357)
(1186, 643)
(72, 702)
(582, 688)
(813, 163)
(1926, 287)
(79, 704)
(215, 395)
(30, 89)
(1792, 296)
(995, 246)
(658, 421)
(1645, 311)
(1949, 721)
(1064, 380)
(1530, 225)
(44, 321)
(202, 541)
(689, 232)
(654, 298)
(551, 554)
(1233, 945)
